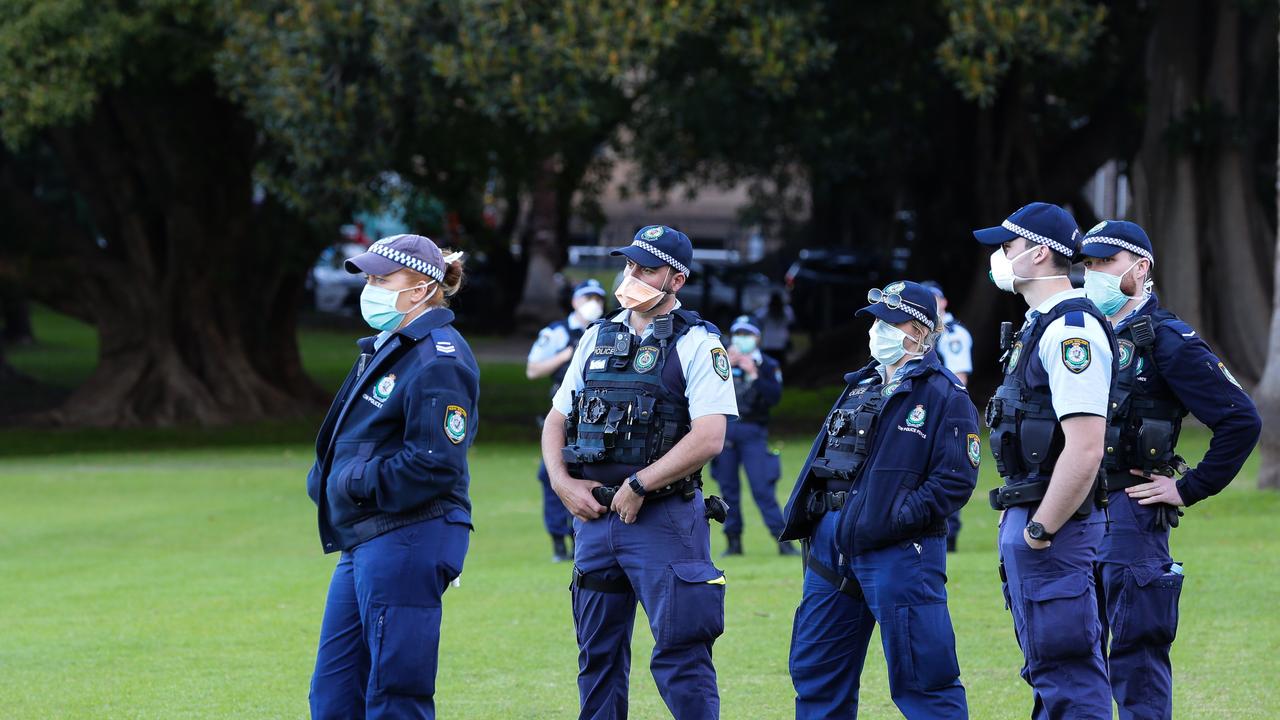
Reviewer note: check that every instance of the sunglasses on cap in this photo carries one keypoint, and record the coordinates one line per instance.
(891, 300)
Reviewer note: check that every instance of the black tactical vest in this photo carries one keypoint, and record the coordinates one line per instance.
(1026, 436)
(1146, 417)
(850, 430)
(632, 409)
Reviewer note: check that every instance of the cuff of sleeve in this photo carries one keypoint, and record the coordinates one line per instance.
(1188, 489)
(358, 483)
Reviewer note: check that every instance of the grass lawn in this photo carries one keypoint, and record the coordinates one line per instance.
(189, 583)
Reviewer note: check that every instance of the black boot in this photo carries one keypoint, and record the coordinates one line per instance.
(735, 546)
(786, 548)
(559, 553)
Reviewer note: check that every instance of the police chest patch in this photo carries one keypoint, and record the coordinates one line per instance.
(646, 358)
(385, 386)
(915, 418)
(1227, 374)
(1075, 354)
(720, 362)
(1014, 354)
(455, 424)
(973, 446)
(1126, 354)
(888, 389)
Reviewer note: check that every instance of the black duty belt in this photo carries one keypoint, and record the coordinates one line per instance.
(824, 501)
(595, 582)
(847, 585)
(684, 487)
(1121, 479)
(1007, 496)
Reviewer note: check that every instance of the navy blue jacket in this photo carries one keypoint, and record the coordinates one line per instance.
(914, 477)
(393, 448)
(1205, 387)
(755, 402)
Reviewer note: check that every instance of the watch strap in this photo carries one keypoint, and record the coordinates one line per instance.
(636, 486)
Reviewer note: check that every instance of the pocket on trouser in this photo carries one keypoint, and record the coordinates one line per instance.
(925, 644)
(407, 647)
(1061, 616)
(773, 465)
(695, 603)
(1149, 600)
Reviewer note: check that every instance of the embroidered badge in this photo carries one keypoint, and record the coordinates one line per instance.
(646, 358)
(896, 287)
(446, 347)
(955, 346)
(1228, 375)
(1097, 227)
(1075, 354)
(652, 233)
(974, 447)
(915, 418)
(888, 389)
(383, 389)
(1014, 354)
(455, 424)
(1126, 354)
(720, 362)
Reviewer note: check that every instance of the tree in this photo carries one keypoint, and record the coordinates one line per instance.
(1268, 390)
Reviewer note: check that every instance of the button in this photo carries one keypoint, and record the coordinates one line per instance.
(853, 492)
(862, 432)
(1111, 451)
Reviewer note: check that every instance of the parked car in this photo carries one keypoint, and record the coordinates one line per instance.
(332, 289)
(820, 282)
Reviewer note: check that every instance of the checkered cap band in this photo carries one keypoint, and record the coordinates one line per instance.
(911, 310)
(1122, 244)
(407, 260)
(661, 256)
(1037, 238)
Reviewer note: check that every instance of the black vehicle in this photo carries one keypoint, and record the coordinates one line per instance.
(820, 280)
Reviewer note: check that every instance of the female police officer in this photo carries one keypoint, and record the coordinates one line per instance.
(897, 455)
(390, 481)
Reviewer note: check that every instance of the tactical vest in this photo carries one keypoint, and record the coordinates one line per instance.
(850, 428)
(1146, 416)
(632, 408)
(1026, 436)
(557, 377)
(750, 409)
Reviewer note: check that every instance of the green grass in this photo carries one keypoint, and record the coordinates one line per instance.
(190, 583)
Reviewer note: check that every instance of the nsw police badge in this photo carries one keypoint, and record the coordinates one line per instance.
(1075, 354)
(383, 389)
(915, 418)
(1014, 354)
(973, 446)
(646, 358)
(652, 233)
(455, 424)
(720, 362)
(1126, 354)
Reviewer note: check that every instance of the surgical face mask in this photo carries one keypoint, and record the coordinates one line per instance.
(638, 295)
(886, 343)
(745, 344)
(1002, 273)
(378, 306)
(1104, 290)
(591, 310)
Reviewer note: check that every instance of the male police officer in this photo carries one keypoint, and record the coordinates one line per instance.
(643, 407)
(1165, 370)
(897, 454)
(955, 347)
(757, 381)
(550, 356)
(1048, 423)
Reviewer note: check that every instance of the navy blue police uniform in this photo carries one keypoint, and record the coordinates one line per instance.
(955, 347)
(1060, 364)
(895, 457)
(628, 399)
(746, 445)
(390, 483)
(1165, 370)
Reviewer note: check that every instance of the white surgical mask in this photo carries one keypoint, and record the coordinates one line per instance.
(746, 344)
(591, 310)
(1002, 273)
(378, 306)
(1104, 290)
(886, 343)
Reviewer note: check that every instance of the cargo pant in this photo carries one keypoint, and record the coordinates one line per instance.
(747, 445)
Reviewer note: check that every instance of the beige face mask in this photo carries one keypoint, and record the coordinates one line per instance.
(639, 296)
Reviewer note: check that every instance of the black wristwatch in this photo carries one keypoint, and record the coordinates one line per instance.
(1036, 531)
(636, 486)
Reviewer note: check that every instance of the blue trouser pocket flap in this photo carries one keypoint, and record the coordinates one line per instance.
(1149, 602)
(1062, 616)
(408, 643)
(695, 603)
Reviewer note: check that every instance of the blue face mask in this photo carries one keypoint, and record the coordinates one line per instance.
(1104, 290)
(746, 344)
(378, 307)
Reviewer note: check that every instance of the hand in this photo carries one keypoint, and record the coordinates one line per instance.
(577, 498)
(734, 356)
(1035, 544)
(748, 365)
(627, 503)
(1161, 489)
(566, 354)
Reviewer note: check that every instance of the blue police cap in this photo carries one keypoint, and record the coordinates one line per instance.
(658, 245)
(934, 288)
(744, 324)
(915, 303)
(1041, 223)
(394, 252)
(590, 286)
(1111, 236)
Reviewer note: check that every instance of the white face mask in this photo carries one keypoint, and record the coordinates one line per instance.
(886, 343)
(1002, 273)
(591, 310)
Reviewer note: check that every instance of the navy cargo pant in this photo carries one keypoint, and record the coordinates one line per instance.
(747, 444)
(665, 557)
(904, 589)
(381, 630)
(1055, 615)
(1139, 604)
(555, 517)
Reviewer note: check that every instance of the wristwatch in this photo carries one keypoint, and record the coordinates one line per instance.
(1036, 531)
(636, 486)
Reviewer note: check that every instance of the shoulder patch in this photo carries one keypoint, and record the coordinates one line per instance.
(1075, 318)
(720, 362)
(455, 424)
(973, 448)
(1076, 355)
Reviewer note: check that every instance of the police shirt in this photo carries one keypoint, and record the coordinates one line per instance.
(955, 347)
(1076, 354)
(554, 338)
(709, 393)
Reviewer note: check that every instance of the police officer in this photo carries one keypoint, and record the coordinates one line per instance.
(1165, 370)
(955, 347)
(898, 453)
(757, 381)
(643, 407)
(390, 481)
(550, 356)
(1048, 422)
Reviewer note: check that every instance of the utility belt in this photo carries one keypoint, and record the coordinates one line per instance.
(1031, 493)
(1123, 479)
(684, 487)
(821, 502)
(847, 585)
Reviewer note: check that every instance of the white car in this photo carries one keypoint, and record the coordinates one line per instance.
(333, 289)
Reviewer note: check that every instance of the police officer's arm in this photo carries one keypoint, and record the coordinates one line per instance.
(1202, 383)
(551, 350)
(573, 492)
(953, 470)
(432, 461)
(704, 441)
(1080, 385)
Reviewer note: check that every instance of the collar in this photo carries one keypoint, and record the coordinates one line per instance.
(1053, 300)
(1146, 308)
(911, 368)
(420, 327)
(576, 323)
(624, 317)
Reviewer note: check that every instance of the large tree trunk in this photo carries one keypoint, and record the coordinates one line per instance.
(1267, 394)
(195, 292)
(542, 251)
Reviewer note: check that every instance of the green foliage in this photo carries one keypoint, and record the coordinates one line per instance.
(989, 37)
